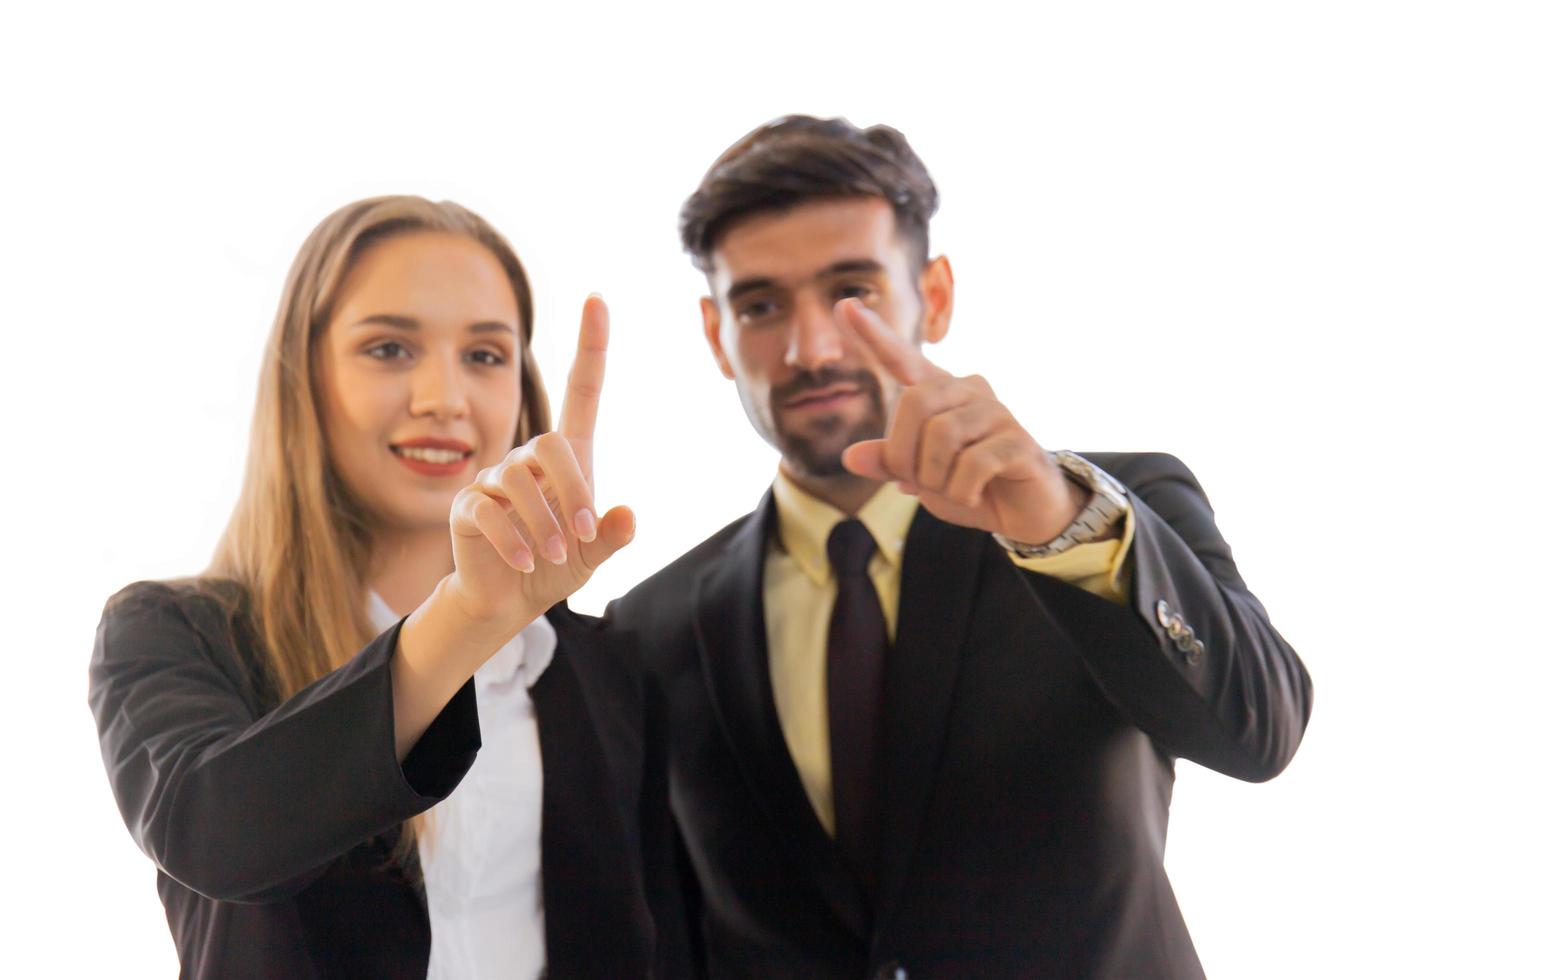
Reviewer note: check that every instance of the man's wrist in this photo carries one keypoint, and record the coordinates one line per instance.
(1100, 504)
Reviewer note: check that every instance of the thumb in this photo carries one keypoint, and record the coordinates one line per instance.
(616, 529)
(865, 459)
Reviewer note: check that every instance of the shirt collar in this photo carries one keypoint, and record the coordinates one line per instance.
(805, 522)
(527, 654)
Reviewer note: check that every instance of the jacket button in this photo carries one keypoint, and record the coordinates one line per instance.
(891, 970)
(1162, 613)
(1195, 652)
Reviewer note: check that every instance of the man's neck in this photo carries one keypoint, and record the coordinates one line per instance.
(406, 564)
(847, 491)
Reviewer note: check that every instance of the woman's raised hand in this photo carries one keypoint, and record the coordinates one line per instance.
(525, 533)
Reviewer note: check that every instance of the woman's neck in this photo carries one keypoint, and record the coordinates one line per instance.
(406, 564)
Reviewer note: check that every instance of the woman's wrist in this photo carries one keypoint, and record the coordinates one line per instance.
(438, 650)
(445, 627)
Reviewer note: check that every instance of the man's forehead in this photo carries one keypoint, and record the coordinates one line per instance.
(806, 239)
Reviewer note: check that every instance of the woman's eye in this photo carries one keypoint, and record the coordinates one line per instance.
(387, 350)
(489, 358)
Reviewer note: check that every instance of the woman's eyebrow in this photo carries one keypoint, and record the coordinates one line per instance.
(389, 320)
(409, 323)
(491, 326)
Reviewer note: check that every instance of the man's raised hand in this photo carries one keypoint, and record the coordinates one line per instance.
(953, 444)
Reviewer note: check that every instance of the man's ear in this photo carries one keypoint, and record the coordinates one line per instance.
(710, 329)
(936, 295)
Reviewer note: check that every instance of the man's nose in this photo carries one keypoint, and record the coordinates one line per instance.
(438, 390)
(817, 338)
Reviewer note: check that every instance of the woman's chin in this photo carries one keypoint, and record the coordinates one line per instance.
(414, 516)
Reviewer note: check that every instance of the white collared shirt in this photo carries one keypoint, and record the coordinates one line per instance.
(479, 848)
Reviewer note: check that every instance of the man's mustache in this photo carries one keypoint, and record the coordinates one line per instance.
(807, 381)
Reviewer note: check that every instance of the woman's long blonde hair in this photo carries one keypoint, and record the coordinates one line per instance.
(298, 544)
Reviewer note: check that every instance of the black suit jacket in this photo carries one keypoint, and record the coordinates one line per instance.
(272, 825)
(1031, 728)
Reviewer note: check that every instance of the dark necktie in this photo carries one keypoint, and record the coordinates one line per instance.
(857, 648)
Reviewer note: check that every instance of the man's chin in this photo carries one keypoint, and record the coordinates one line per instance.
(821, 454)
(816, 467)
(816, 448)
(816, 458)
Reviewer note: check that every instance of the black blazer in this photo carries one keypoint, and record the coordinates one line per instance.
(1031, 728)
(272, 824)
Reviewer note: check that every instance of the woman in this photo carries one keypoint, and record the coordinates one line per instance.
(273, 729)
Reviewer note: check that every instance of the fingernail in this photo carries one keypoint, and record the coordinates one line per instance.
(587, 528)
(523, 560)
(555, 549)
(904, 486)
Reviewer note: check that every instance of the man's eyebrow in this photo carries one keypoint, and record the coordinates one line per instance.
(747, 285)
(744, 286)
(397, 322)
(850, 265)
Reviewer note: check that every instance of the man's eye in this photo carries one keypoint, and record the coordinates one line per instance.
(757, 310)
(853, 290)
(489, 358)
(387, 350)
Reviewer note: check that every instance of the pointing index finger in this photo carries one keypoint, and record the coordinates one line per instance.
(580, 408)
(900, 356)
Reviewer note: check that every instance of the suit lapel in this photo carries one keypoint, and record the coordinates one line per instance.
(941, 570)
(732, 647)
(584, 837)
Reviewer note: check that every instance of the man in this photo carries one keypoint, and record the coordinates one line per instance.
(922, 705)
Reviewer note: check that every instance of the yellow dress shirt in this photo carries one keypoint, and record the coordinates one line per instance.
(798, 590)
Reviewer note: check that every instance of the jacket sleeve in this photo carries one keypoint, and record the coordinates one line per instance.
(674, 897)
(241, 805)
(1192, 659)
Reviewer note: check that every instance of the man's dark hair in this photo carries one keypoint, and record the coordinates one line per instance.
(799, 158)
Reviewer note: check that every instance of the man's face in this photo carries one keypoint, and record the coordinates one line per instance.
(809, 385)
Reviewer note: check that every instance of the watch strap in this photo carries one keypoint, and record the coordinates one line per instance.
(1106, 508)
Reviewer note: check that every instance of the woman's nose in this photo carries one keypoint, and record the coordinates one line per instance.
(438, 390)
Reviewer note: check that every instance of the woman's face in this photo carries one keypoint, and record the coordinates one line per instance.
(419, 375)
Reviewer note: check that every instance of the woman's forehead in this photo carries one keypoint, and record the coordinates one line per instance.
(435, 278)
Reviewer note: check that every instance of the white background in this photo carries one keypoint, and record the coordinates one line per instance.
(1316, 250)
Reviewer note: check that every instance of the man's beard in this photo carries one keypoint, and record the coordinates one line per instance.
(819, 450)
